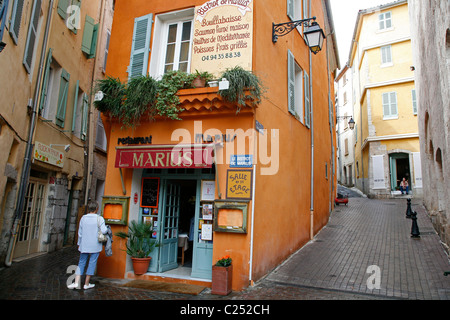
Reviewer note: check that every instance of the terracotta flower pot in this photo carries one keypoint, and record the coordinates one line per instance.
(221, 280)
(140, 265)
(199, 82)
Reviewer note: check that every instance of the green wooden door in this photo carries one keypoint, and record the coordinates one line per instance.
(203, 250)
(169, 227)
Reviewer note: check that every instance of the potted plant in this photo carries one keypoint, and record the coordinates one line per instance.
(244, 86)
(201, 79)
(222, 273)
(139, 245)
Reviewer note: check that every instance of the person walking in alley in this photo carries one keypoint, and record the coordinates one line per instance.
(88, 245)
(404, 186)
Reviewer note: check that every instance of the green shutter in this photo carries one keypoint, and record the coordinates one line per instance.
(31, 38)
(90, 34)
(291, 82)
(16, 18)
(44, 90)
(62, 8)
(62, 98)
(307, 100)
(75, 104)
(85, 117)
(140, 46)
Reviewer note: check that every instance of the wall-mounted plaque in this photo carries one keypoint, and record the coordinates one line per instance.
(230, 216)
(115, 209)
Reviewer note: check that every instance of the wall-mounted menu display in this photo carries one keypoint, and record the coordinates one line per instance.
(150, 192)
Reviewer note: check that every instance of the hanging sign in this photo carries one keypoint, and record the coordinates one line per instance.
(47, 154)
(223, 36)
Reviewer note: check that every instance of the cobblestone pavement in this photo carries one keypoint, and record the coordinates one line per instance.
(331, 267)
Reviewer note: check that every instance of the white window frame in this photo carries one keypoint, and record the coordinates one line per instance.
(382, 19)
(390, 105)
(386, 51)
(299, 108)
(160, 34)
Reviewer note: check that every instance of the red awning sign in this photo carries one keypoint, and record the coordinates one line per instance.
(163, 157)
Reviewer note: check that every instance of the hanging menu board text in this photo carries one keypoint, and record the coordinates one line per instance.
(223, 36)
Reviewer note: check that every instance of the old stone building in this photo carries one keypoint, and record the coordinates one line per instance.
(431, 46)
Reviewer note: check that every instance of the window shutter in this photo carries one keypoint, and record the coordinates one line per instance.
(85, 117)
(141, 46)
(307, 101)
(393, 103)
(291, 82)
(386, 108)
(306, 6)
(44, 90)
(62, 98)
(414, 101)
(62, 8)
(31, 39)
(75, 104)
(16, 18)
(3, 12)
(290, 9)
(90, 34)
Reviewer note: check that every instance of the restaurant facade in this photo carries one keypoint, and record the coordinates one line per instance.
(254, 181)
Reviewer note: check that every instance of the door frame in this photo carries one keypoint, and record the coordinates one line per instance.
(179, 174)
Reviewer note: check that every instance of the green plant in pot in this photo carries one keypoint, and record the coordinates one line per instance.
(139, 245)
(201, 78)
(244, 86)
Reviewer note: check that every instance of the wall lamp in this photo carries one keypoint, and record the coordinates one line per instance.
(66, 146)
(351, 122)
(313, 34)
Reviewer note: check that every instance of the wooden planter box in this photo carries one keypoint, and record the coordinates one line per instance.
(221, 280)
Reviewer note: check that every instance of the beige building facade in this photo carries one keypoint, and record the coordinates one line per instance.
(385, 104)
(52, 52)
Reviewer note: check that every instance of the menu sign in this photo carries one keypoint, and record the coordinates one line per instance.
(223, 36)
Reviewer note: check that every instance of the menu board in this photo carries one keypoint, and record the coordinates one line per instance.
(150, 192)
(223, 36)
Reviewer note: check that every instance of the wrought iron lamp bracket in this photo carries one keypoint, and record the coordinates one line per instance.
(282, 29)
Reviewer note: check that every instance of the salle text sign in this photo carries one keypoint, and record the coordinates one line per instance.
(223, 36)
(164, 157)
(239, 184)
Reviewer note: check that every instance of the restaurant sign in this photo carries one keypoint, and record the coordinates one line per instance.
(47, 154)
(163, 157)
(223, 36)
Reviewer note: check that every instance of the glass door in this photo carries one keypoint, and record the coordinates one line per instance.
(169, 227)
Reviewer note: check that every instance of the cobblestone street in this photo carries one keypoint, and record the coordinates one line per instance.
(331, 267)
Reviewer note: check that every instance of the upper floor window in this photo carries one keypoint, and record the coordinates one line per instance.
(172, 42)
(390, 110)
(386, 55)
(385, 20)
(178, 46)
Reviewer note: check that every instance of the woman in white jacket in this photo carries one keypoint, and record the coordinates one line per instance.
(88, 244)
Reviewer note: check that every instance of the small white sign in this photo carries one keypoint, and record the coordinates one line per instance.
(208, 190)
(207, 231)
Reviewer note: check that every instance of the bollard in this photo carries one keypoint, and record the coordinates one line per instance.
(408, 208)
(415, 233)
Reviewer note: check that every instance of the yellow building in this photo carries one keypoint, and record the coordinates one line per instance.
(385, 107)
(51, 53)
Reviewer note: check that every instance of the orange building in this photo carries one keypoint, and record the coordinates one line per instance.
(256, 184)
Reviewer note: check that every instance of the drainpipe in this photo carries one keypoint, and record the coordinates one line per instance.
(311, 127)
(255, 135)
(29, 149)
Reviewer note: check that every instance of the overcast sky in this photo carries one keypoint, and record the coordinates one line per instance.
(344, 16)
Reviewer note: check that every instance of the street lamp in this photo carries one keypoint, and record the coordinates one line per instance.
(313, 34)
(351, 122)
